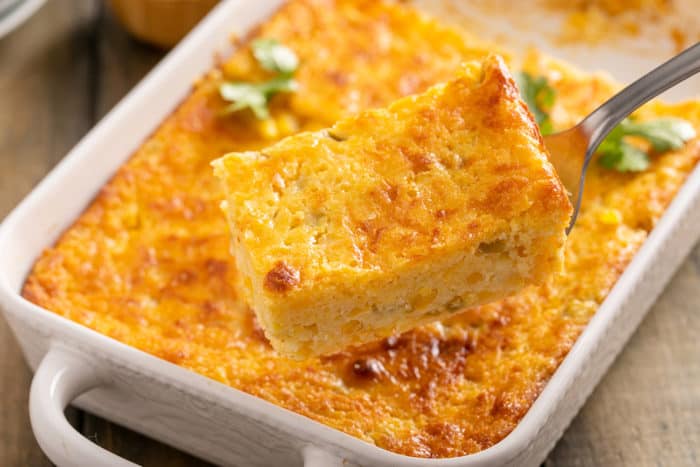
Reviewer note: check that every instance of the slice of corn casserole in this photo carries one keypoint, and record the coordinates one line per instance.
(395, 217)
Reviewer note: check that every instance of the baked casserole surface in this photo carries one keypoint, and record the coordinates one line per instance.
(148, 264)
(396, 217)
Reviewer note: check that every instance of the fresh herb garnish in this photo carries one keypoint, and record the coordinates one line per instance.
(245, 95)
(271, 56)
(539, 97)
(616, 153)
(663, 134)
(255, 96)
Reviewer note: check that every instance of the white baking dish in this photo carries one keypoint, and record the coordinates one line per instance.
(77, 365)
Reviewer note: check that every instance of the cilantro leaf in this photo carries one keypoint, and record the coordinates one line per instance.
(245, 95)
(616, 153)
(623, 157)
(278, 84)
(273, 56)
(539, 97)
(255, 96)
(664, 134)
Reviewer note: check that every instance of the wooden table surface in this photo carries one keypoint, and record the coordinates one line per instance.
(64, 69)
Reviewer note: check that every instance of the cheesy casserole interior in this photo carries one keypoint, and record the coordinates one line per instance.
(147, 263)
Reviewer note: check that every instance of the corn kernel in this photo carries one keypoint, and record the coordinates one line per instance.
(423, 298)
(236, 68)
(610, 217)
(268, 129)
(287, 124)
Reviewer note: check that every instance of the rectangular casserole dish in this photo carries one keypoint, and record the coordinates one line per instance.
(212, 420)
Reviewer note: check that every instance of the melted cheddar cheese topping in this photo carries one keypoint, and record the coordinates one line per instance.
(148, 264)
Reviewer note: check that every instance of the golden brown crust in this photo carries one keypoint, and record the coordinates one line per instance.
(416, 172)
(281, 278)
(148, 263)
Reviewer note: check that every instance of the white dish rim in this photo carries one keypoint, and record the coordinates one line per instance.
(17, 14)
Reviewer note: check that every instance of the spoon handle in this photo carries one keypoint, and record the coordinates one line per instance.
(602, 120)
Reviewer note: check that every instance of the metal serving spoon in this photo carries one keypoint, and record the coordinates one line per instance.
(571, 151)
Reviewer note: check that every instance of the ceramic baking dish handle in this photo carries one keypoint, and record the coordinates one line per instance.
(61, 377)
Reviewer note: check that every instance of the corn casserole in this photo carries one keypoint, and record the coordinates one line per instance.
(148, 262)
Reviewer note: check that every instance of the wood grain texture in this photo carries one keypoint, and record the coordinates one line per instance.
(71, 63)
(43, 112)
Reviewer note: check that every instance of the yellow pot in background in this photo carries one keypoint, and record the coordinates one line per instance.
(160, 22)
